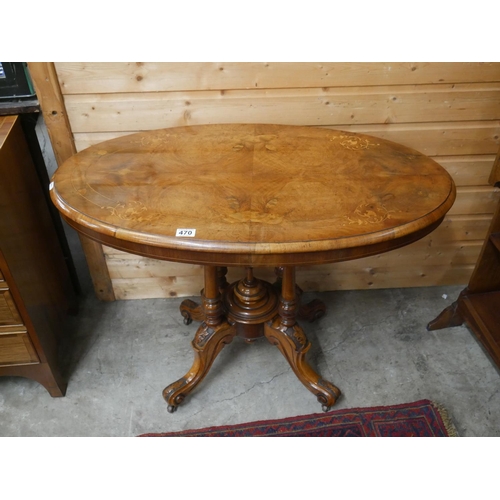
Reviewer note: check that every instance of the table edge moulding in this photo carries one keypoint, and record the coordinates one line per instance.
(252, 195)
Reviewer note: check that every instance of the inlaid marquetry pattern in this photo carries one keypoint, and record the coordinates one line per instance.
(297, 188)
(353, 142)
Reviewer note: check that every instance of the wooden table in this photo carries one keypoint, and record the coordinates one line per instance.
(251, 195)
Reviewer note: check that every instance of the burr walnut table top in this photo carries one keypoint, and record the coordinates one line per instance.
(255, 194)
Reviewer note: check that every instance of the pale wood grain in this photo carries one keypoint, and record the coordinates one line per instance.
(99, 271)
(475, 200)
(463, 145)
(472, 170)
(307, 106)
(55, 115)
(430, 253)
(102, 77)
(432, 139)
(334, 277)
(494, 177)
(383, 277)
(463, 227)
(48, 92)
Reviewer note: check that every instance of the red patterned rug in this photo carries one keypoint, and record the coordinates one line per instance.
(419, 419)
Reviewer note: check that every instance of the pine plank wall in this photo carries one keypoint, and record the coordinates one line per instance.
(449, 111)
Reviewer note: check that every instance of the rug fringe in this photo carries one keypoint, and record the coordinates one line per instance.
(419, 418)
(445, 417)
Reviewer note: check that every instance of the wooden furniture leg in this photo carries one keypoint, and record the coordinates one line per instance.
(212, 335)
(478, 305)
(191, 310)
(288, 336)
(311, 311)
(451, 316)
(46, 374)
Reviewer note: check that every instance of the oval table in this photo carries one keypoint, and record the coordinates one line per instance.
(251, 195)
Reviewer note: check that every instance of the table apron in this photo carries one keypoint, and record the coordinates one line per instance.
(252, 259)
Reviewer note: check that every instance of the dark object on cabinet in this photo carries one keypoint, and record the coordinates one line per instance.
(478, 305)
(36, 290)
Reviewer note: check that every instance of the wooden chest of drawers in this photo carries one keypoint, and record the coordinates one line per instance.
(15, 344)
(35, 285)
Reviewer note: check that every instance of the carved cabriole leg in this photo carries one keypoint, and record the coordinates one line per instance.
(190, 310)
(308, 312)
(288, 336)
(212, 335)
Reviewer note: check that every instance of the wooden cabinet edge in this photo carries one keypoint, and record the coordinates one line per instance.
(33, 344)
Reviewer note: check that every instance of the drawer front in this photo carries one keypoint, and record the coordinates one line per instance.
(16, 349)
(9, 315)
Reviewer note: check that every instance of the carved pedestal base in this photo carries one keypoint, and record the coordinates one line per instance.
(250, 308)
(248, 304)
